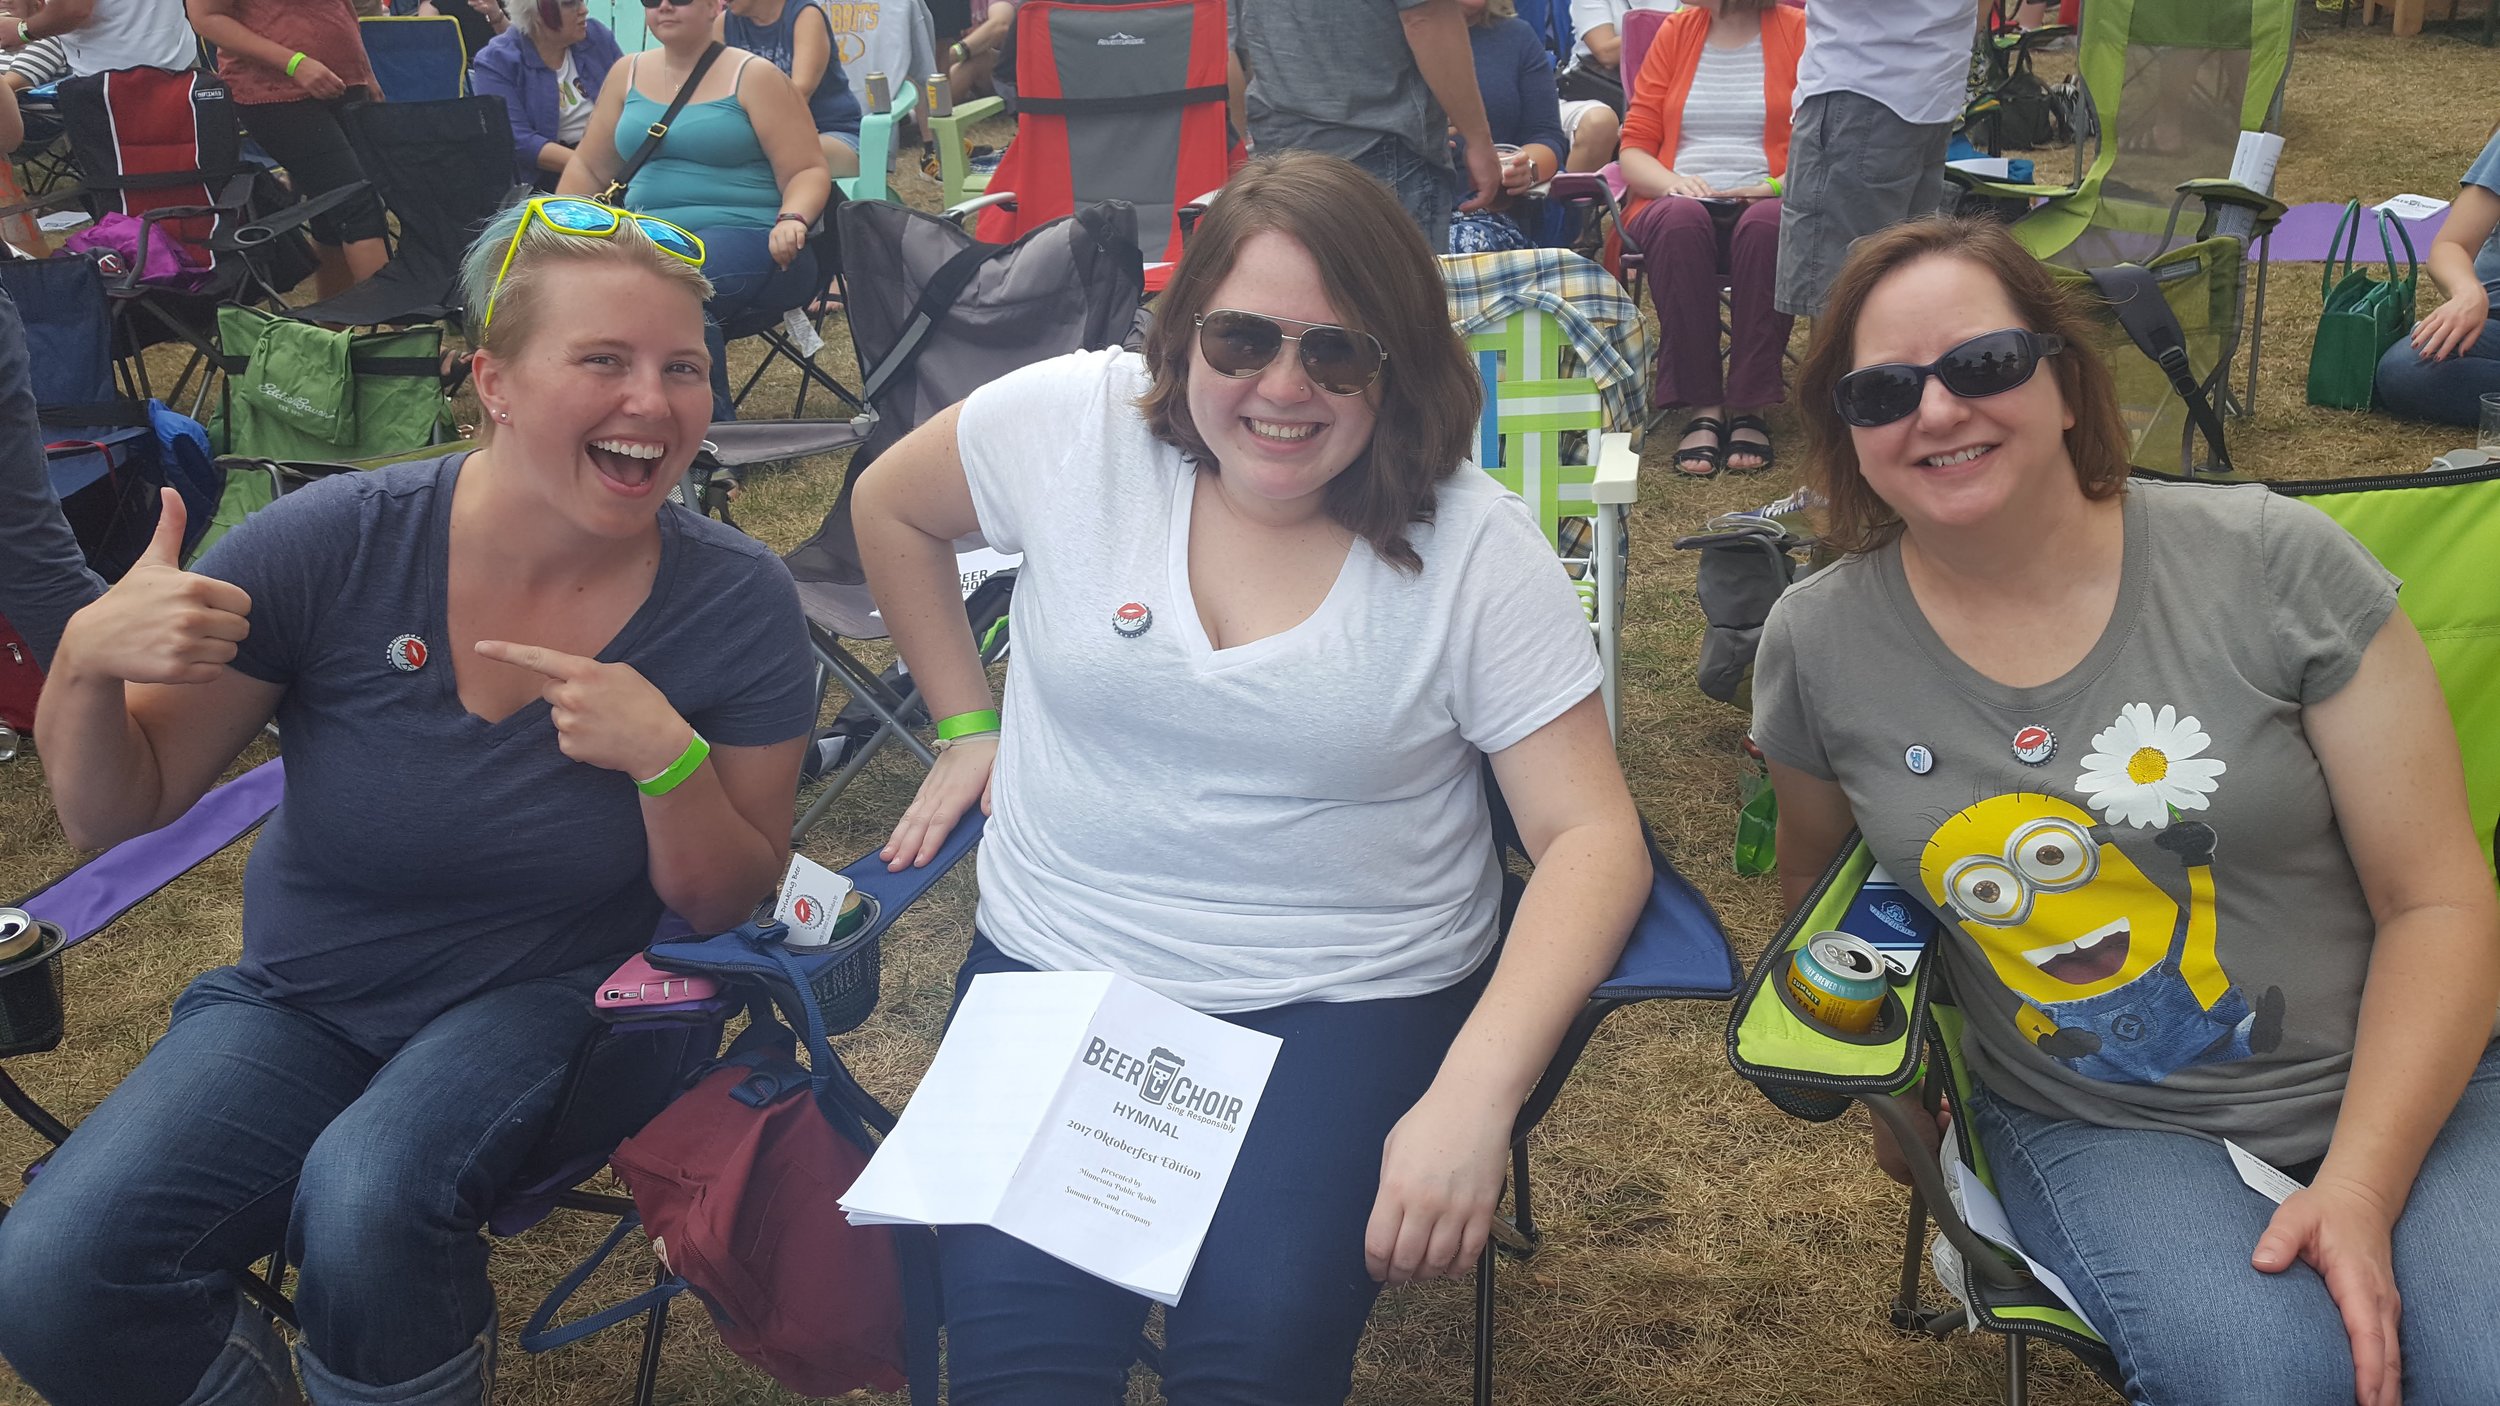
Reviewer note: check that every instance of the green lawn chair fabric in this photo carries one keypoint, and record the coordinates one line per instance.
(2202, 282)
(298, 391)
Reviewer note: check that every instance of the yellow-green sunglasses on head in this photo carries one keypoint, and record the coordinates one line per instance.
(570, 214)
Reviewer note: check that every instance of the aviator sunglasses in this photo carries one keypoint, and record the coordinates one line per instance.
(572, 215)
(1991, 363)
(1338, 360)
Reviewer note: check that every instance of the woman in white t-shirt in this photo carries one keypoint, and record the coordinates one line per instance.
(1267, 627)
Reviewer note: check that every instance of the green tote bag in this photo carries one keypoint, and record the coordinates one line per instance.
(2362, 316)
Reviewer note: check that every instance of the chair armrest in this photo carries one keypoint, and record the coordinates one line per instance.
(2004, 190)
(1618, 476)
(978, 109)
(2216, 191)
(293, 217)
(1927, 1178)
(979, 203)
(28, 206)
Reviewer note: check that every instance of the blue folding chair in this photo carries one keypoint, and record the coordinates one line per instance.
(416, 58)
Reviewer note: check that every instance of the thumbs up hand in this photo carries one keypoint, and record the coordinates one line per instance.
(160, 623)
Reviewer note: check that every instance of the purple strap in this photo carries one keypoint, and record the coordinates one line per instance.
(81, 902)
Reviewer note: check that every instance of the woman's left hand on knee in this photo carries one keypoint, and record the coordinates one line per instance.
(2347, 1234)
(1440, 1175)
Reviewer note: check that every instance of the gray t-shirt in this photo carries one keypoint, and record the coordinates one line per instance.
(1336, 76)
(421, 855)
(2159, 925)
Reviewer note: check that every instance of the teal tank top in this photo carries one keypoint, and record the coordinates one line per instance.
(709, 171)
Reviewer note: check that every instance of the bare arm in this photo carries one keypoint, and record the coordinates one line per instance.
(595, 162)
(1442, 1167)
(2454, 325)
(1605, 45)
(141, 711)
(788, 134)
(2390, 757)
(1436, 34)
(718, 842)
(811, 51)
(58, 17)
(912, 505)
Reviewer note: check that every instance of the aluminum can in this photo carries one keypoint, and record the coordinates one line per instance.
(18, 933)
(880, 93)
(1838, 982)
(847, 919)
(941, 96)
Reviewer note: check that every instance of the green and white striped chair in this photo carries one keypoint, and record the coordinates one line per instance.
(1533, 416)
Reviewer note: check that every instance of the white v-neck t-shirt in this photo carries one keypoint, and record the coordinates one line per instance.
(1296, 818)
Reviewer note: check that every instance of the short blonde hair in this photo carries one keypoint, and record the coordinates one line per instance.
(516, 298)
(1494, 12)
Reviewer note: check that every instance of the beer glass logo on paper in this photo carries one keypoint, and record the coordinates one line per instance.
(1159, 1080)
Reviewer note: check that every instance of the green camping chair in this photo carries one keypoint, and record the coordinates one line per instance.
(2172, 87)
(2434, 531)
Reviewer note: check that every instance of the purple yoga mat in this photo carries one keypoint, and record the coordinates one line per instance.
(2307, 230)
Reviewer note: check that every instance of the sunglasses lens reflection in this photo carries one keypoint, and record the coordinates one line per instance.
(1239, 344)
(1339, 362)
(578, 216)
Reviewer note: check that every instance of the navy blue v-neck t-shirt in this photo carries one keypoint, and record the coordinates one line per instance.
(421, 854)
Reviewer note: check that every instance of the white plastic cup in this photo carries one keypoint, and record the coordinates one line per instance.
(2488, 438)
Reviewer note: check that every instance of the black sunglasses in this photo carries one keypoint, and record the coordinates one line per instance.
(1991, 363)
(1338, 360)
(673, 4)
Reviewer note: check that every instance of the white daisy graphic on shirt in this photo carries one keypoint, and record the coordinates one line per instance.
(2145, 768)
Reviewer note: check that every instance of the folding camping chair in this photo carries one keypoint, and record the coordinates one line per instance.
(416, 58)
(163, 148)
(2433, 530)
(783, 341)
(2172, 89)
(934, 315)
(1548, 436)
(443, 169)
(1113, 102)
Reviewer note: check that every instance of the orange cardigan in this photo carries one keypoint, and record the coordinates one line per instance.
(1653, 119)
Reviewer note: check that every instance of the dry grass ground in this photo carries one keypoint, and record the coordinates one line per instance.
(1701, 1247)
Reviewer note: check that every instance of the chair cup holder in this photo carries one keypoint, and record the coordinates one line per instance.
(844, 976)
(30, 997)
(1891, 1021)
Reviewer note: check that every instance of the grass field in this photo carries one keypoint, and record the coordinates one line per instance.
(1701, 1247)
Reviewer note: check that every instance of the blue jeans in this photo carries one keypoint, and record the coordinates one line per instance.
(747, 286)
(1279, 1295)
(252, 1121)
(44, 577)
(2152, 1231)
(1428, 191)
(2447, 392)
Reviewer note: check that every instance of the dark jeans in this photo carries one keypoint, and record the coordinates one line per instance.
(2447, 392)
(1686, 246)
(251, 1121)
(44, 578)
(1428, 191)
(747, 286)
(1278, 1298)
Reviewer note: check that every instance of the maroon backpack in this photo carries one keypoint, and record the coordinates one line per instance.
(737, 1184)
(21, 681)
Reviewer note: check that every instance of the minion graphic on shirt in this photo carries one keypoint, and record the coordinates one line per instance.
(2117, 979)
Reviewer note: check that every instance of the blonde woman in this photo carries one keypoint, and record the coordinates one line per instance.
(527, 704)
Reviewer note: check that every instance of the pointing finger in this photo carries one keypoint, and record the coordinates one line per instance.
(553, 663)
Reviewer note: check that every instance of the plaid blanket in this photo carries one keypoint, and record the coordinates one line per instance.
(1600, 320)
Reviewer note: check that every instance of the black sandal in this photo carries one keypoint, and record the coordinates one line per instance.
(1709, 456)
(1759, 449)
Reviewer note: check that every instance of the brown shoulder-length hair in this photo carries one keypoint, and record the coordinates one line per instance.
(1857, 520)
(1380, 276)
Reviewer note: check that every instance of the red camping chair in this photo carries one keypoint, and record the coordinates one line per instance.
(1113, 102)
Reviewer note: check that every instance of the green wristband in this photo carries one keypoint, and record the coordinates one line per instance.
(964, 724)
(1777, 190)
(294, 63)
(696, 750)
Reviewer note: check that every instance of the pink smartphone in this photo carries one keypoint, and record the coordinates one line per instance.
(638, 983)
